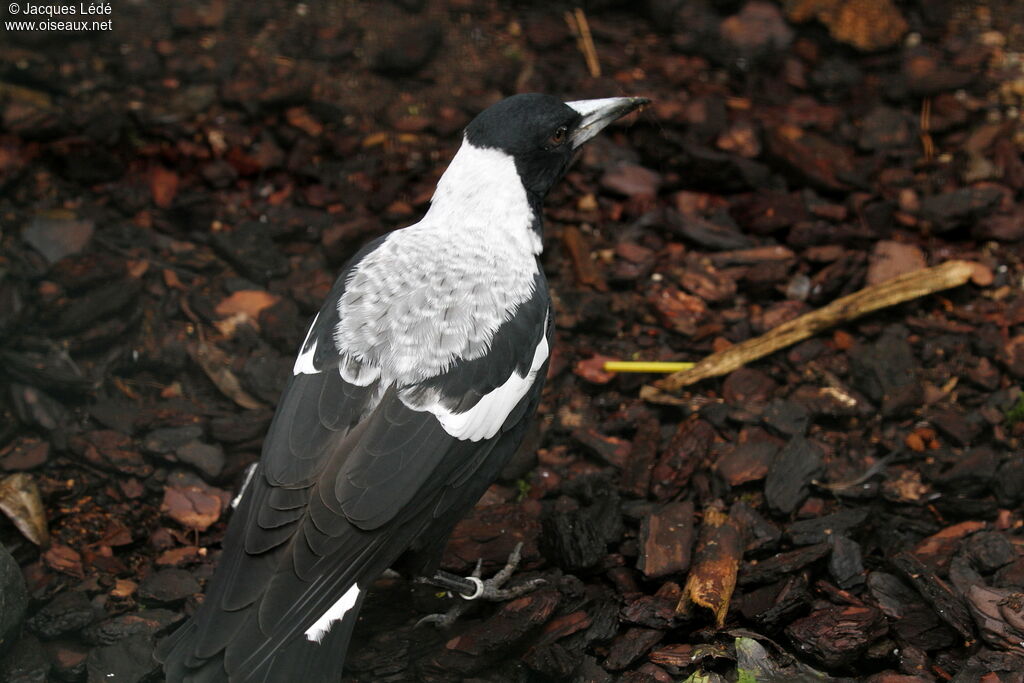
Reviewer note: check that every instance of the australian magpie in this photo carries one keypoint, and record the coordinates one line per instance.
(414, 385)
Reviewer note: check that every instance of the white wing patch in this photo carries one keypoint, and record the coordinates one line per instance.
(336, 612)
(304, 363)
(249, 471)
(483, 420)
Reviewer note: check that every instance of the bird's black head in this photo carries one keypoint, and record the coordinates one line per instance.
(541, 133)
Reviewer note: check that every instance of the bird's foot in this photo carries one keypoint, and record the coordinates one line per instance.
(473, 587)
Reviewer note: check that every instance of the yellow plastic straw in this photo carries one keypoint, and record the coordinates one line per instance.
(644, 366)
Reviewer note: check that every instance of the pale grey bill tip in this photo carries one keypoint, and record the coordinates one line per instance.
(599, 113)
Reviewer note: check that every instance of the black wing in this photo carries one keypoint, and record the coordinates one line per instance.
(350, 477)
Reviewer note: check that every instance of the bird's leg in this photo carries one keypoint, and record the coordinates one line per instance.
(473, 587)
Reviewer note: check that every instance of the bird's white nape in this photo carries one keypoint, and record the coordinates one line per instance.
(482, 185)
(336, 612)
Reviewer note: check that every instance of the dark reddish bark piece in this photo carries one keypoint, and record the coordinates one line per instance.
(631, 645)
(790, 474)
(777, 566)
(476, 648)
(836, 636)
(636, 475)
(666, 538)
(937, 593)
(688, 446)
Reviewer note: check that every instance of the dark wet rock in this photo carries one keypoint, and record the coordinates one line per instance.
(70, 611)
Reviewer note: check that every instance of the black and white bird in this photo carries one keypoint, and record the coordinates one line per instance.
(413, 387)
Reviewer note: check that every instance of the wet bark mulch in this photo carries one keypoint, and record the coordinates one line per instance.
(176, 196)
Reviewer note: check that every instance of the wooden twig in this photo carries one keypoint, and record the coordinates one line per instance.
(927, 144)
(899, 289)
(579, 25)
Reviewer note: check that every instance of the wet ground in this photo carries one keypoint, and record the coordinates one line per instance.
(177, 193)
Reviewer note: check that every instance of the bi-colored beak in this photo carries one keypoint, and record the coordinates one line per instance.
(597, 114)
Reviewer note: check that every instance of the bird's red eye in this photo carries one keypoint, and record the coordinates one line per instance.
(558, 137)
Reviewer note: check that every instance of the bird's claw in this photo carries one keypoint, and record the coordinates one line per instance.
(486, 589)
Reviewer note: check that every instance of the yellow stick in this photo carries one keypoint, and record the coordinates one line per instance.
(644, 366)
